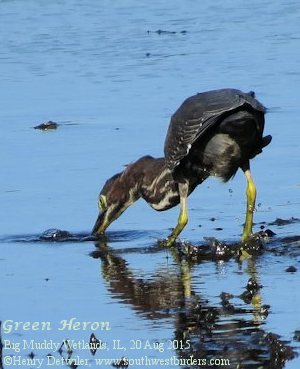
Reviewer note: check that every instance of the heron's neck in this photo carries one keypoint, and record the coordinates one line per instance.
(143, 175)
(153, 181)
(142, 172)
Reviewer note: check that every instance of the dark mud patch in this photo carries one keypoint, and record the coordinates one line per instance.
(215, 249)
(260, 243)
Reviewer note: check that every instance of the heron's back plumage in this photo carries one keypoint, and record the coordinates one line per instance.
(202, 113)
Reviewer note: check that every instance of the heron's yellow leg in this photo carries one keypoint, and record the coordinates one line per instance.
(251, 197)
(183, 215)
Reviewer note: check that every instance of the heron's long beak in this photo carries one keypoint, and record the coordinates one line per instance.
(101, 224)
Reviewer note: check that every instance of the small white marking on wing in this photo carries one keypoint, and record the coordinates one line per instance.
(165, 202)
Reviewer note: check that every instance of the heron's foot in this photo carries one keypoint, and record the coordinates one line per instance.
(169, 242)
(254, 244)
(248, 237)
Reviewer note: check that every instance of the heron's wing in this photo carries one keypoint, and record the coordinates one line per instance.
(198, 114)
(182, 135)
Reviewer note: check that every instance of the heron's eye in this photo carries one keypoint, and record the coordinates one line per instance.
(102, 202)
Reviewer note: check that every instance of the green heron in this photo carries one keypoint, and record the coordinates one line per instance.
(212, 133)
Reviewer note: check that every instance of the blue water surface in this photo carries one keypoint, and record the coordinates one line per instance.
(107, 74)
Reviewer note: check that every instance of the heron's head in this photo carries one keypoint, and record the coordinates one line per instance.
(114, 198)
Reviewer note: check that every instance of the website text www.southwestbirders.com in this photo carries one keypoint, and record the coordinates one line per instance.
(172, 360)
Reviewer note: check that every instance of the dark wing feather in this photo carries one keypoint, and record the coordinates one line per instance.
(197, 114)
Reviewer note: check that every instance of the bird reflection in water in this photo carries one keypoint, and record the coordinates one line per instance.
(212, 330)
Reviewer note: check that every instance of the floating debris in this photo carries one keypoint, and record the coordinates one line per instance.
(54, 234)
(47, 126)
(291, 269)
(164, 32)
